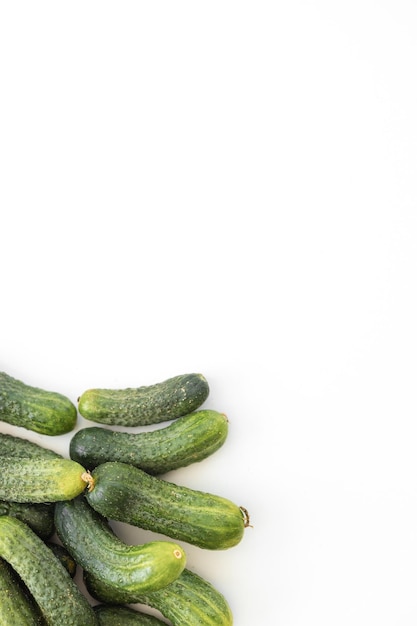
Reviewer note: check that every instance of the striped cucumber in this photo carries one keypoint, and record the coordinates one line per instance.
(95, 547)
(41, 480)
(189, 600)
(186, 440)
(137, 406)
(13, 446)
(48, 582)
(44, 412)
(113, 615)
(125, 493)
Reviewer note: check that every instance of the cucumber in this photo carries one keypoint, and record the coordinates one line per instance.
(95, 547)
(125, 493)
(113, 615)
(48, 582)
(39, 517)
(189, 600)
(44, 412)
(63, 556)
(138, 406)
(19, 447)
(186, 440)
(41, 480)
(17, 608)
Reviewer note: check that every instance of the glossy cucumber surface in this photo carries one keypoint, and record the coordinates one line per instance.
(190, 600)
(138, 406)
(59, 599)
(188, 439)
(89, 539)
(125, 493)
(45, 412)
(40, 480)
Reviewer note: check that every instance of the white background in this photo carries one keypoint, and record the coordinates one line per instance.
(230, 188)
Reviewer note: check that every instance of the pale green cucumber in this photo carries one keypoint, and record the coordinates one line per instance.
(41, 480)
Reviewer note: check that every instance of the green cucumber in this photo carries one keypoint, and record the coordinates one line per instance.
(186, 440)
(48, 582)
(113, 615)
(125, 493)
(10, 445)
(138, 406)
(40, 480)
(17, 607)
(44, 412)
(63, 556)
(189, 600)
(95, 547)
(39, 517)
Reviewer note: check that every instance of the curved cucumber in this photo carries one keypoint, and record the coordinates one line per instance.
(19, 447)
(113, 615)
(127, 494)
(63, 556)
(151, 404)
(17, 608)
(45, 412)
(189, 600)
(39, 517)
(54, 591)
(186, 440)
(89, 539)
(40, 480)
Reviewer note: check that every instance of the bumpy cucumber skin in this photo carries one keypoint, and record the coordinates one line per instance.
(89, 539)
(17, 608)
(39, 517)
(40, 480)
(127, 494)
(188, 439)
(12, 446)
(109, 615)
(189, 600)
(56, 594)
(44, 412)
(144, 405)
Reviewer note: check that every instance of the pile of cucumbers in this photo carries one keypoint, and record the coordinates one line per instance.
(55, 512)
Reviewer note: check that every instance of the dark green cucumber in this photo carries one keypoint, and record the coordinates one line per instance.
(40, 480)
(17, 607)
(113, 615)
(19, 447)
(95, 547)
(138, 406)
(186, 440)
(39, 517)
(189, 600)
(48, 582)
(45, 412)
(125, 493)
(64, 557)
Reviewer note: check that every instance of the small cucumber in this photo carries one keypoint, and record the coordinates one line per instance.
(138, 406)
(17, 608)
(125, 493)
(186, 440)
(189, 600)
(89, 539)
(48, 582)
(40, 480)
(113, 615)
(20, 447)
(39, 517)
(44, 412)
(63, 556)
